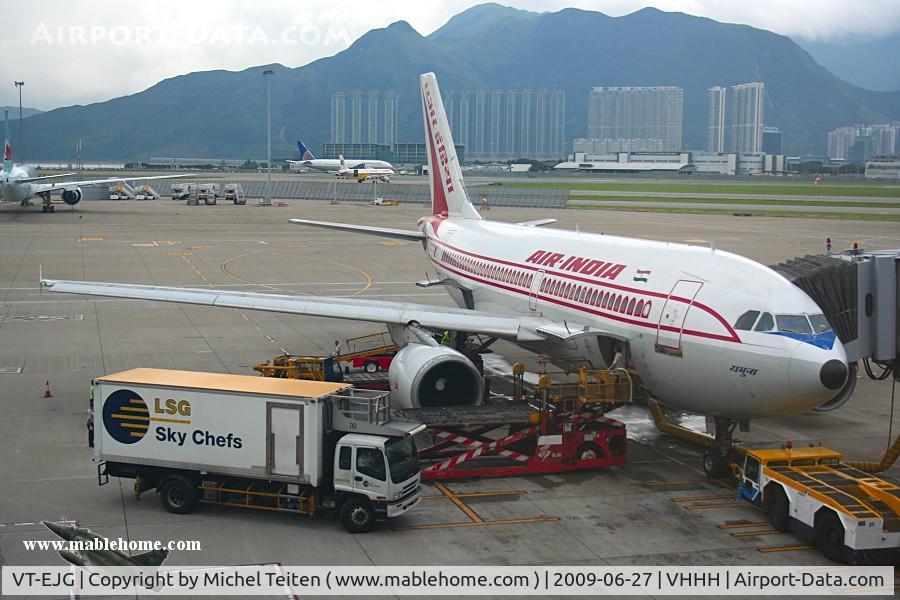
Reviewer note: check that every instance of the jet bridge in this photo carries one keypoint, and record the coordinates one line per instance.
(858, 291)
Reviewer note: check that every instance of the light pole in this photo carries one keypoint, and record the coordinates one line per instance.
(19, 86)
(266, 74)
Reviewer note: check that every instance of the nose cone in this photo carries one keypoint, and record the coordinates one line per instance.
(833, 374)
(60, 530)
(817, 374)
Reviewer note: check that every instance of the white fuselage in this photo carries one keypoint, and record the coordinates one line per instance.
(10, 188)
(675, 305)
(333, 165)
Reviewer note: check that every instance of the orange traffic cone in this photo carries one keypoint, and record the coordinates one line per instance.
(47, 392)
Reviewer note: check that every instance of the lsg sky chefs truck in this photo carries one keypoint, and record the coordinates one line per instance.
(256, 442)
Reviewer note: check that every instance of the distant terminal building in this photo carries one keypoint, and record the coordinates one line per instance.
(735, 119)
(772, 141)
(715, 128)
(859, 143)
(883, 167)
(506, 124)
(369, 117)
(637, 113)
(683, 163)
(627, 162)
(399, 153)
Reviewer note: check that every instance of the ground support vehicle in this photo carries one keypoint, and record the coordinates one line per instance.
(256, 442)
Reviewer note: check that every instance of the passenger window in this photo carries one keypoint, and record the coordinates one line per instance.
(370, 461)
(751, 469)
(745, 321)
(344, 459)
(765, 323)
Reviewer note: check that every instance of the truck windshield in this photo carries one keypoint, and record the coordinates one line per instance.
(403, 458)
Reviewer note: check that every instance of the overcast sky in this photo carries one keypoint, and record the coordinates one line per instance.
(78, 52)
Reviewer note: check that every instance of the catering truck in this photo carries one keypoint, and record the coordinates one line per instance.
(256, 442)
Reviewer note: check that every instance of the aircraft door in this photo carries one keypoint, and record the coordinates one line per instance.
(535, 288)
(285, 443)
(673, 315)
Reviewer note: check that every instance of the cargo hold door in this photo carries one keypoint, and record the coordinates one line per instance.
(284, 424)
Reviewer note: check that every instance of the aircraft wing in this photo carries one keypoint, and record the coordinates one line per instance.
(522, 329)
(402, 234)
(42, 177)
(41, 188)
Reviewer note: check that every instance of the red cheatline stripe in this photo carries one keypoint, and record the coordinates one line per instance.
(734, 337)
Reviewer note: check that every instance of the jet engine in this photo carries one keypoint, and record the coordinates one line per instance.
(423, 376)
(72, 197)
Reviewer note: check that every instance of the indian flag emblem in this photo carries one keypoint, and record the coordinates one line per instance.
(642, 275)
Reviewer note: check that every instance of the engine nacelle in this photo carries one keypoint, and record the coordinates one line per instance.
(72, 197)
(425, 376)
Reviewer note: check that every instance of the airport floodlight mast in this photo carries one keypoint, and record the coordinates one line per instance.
(21, 157)
(266, 74)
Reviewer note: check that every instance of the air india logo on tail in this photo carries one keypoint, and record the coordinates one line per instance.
(437, 140)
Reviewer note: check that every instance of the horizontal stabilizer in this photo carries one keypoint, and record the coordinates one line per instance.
(537, 222)
(401, 234)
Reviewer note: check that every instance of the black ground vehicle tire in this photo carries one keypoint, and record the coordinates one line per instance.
(589, 451)
(357, 516)
(829, 536)
(178, 495)
(777, 506)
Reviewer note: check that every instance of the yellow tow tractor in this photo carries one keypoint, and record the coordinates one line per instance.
(850, 515)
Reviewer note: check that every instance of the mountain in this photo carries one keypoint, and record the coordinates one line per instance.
(870, 64)
(14, 111)
(222, 113)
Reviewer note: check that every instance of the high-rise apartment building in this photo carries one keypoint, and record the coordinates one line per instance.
(646, 113)
(715, 129)
(748, 103)
(369, 118)
(505, 124)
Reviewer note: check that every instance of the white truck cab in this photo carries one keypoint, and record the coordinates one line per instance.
(382, 469)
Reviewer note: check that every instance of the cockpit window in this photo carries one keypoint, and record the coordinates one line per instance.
(819, 324)
(745, 321)
(765, 323)
(793, 324)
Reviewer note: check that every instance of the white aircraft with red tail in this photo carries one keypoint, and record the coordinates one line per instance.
(706, 331)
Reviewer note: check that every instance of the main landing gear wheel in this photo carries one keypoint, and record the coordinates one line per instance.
(714, 464)
(720, 453)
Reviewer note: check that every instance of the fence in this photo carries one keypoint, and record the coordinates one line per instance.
(350, 191)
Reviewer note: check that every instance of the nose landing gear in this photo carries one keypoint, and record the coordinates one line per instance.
(722, 451)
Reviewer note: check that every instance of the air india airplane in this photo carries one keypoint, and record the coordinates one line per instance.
(706, 331)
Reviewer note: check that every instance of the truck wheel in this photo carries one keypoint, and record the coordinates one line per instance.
(178, 495)
(777, 506)
(829, 535)
(371, 367)
(357, 516)
(589, 451)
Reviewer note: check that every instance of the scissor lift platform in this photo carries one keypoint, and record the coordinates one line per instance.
(513, 438)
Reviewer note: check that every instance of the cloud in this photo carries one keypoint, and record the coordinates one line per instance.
(93, 50)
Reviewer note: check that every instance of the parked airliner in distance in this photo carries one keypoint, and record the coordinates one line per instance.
(331, 165)
(706, 331)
